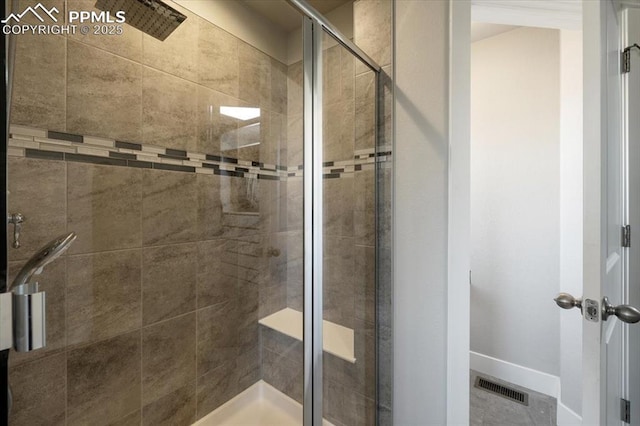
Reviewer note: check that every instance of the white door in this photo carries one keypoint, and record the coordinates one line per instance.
(605, 378)
(631, 93)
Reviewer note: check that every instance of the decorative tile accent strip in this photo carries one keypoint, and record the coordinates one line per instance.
(51, 145)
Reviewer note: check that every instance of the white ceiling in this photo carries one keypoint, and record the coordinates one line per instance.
(482, 30)
(284, 15)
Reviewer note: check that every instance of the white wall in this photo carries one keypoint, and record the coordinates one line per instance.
(421, 103)
(515, 198)
(570, 221)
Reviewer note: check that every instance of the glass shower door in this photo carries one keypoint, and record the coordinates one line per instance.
(349, 235)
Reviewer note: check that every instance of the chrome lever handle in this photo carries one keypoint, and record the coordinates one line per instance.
(625, 313)
(567, 301)
(16, 219)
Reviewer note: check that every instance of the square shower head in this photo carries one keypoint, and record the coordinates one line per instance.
(153, 17)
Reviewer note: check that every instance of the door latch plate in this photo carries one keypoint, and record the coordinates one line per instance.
(591, 310)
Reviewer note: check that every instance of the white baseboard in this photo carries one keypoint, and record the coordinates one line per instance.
(538, 381)
(566, 416)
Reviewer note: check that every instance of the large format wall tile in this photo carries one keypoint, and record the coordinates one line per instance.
(295, 200)
(372, 30)
(248, 367)
(272, 204)
(250, 264)
(273, 291)
(278, 87)
(338, 131)
(347, 79)
(39, 82)
(218, 66)
(39, 392)
(178, 53)
(364, 204)
(168, 111)
(215, 130)
(104, 94)
(132, 419)
(175, 409)
(217, 335)
(338, 206)
(104, 380)
(273, 149)
(294, 140)
(338, 280)
(365, 111)
(52, 281)
(216, 387)
(168, 282)
(104, 205)
(103, 295)
(37, 190)
(283, 372)
(128, 44)
(294, 88)
(364, 283)
(295, 267)
(331, 73)
(255, 76)
(209, 207)
(168, 357)
(343, 406)
(168, 207)
(216, 279)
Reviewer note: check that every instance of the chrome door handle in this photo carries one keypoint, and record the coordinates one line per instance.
(625, 313)
(567, 301)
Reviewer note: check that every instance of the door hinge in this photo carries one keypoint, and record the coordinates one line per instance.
(626, 58)
(625, 410)
(626, 236)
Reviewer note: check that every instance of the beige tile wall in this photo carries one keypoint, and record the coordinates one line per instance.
(135, 88)
(135, 322)
(152, 314)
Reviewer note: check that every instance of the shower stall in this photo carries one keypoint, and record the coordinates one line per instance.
(225, 167)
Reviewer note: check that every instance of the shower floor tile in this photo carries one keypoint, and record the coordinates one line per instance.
(259, 405)
(488, 409)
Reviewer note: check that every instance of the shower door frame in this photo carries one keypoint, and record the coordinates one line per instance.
(314, 27)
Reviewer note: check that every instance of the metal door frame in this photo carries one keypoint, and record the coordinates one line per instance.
(313, 29)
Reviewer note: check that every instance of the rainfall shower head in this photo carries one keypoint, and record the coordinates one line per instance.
(42, 258)
(153, 17)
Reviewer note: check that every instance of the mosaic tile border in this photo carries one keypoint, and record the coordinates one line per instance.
(51, 145)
